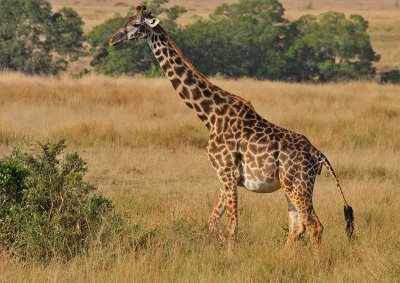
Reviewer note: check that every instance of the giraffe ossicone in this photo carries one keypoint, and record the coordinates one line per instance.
(244, 148)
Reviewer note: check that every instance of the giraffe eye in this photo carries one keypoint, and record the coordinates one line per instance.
(136, 25)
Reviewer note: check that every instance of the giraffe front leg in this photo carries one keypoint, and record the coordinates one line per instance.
(219, 209)
(232, 205)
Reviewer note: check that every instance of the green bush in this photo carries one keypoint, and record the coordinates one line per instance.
(47, 208)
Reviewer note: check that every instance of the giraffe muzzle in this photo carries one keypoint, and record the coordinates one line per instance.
(117, 39)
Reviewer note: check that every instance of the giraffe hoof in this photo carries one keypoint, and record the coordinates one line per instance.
(231, 248)
(287, 246)
(223, 240)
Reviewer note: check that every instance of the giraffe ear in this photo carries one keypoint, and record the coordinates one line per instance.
(152, 22)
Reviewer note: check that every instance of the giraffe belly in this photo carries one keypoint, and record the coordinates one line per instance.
(266, 186)
(258, 179)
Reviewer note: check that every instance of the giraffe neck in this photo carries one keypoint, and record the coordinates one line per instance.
(208, 101)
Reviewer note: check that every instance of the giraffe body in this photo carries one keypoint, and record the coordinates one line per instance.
(244, 148)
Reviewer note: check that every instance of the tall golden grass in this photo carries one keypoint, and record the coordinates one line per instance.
(145, 150)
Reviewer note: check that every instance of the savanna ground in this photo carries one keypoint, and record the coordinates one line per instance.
(145, 150)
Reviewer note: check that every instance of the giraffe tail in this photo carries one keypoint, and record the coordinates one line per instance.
(348, 210)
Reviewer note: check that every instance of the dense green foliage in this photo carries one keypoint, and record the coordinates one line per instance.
(253, 39)
(250, 38)
(329, 48)
(47, 210)
(243, 39)
(34, 40)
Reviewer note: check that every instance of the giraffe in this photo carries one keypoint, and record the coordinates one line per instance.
(244, 148)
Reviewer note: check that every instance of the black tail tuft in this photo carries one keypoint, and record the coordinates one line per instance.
(349, 216)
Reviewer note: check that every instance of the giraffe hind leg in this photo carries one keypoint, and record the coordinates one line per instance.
(317, 229)
(313, 226)
(302, 202)
(296, 227)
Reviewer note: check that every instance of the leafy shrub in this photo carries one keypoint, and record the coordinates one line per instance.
(46, 208)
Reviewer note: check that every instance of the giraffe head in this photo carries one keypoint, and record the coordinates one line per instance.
(138, 26)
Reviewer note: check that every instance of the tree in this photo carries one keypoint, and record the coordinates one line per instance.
(392, 76)
(250, 38)
(33, 40)
(242, 39)
(330, 47)
(134, 58)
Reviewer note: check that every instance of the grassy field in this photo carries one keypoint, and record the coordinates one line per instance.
(383, 17)
(145, 150)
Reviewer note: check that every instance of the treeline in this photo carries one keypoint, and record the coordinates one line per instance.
(251, 38)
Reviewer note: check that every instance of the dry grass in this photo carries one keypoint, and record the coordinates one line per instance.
(144, 150)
